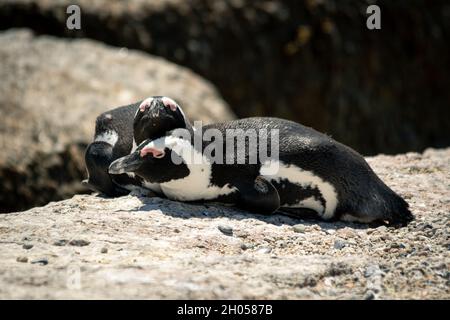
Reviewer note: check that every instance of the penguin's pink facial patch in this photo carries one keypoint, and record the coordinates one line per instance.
(153, 152)
(145, 104)
(169, 103)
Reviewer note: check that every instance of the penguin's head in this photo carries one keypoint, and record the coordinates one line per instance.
(157, 161)
(156, 116)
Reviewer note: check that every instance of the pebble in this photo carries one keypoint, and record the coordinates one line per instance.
(41, 261)
(346, 233)
(372, 270)
(22, 259)
(60, 243)
(27, 246)
(369, 295)
(104, 250)
(339, 244)
(225, 230)
(264, 250)
(299, 228)
(308, 281)
(244, 246)
(281, 244)
(79, 243)
(397, 245)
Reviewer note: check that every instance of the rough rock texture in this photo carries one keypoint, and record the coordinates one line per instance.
(130, 247)
(311, 61)
(51, 91)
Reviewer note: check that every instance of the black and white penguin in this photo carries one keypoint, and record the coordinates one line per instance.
(156, 116)
(313, 174)
(116, 133)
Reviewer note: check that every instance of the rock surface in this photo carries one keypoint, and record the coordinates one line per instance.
(51, 91)
(131, 247)
(311, 61)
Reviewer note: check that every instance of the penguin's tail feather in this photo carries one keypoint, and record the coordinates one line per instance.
(399, 213)
(388, 206)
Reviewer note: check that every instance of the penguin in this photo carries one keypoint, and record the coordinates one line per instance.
(312, 175)
(156, 116)
(118, 131)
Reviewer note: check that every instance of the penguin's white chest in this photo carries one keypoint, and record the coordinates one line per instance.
(109, 136)
(196, 186)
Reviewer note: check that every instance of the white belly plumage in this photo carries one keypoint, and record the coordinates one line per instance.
(277, 171)
(195, 186)
(108, 136)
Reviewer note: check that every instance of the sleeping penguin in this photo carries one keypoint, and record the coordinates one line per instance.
(313, 174)
(118, 131)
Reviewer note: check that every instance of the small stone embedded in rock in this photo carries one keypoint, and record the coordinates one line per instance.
(27, 246)
(79, 243)
(22, 259)
(308, 281)
(246, 246)
(42, 261)
(60, 243)
(369, 295)
(265, 250)
(339, 244)
(347, 233)
(225, 230)
(299, 228)
(104, 250)
(371, 270)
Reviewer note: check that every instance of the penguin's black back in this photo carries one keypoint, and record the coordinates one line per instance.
(100, 154)
(119, 120)
(360, 191)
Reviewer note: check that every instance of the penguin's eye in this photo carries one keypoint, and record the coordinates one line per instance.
(153, 152)
(159, 155)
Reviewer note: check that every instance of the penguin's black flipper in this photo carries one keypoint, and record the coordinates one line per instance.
(258, 196)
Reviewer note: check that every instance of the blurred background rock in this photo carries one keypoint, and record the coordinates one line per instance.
(312, 61)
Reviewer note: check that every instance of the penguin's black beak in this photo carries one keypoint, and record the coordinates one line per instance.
(129, 163)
